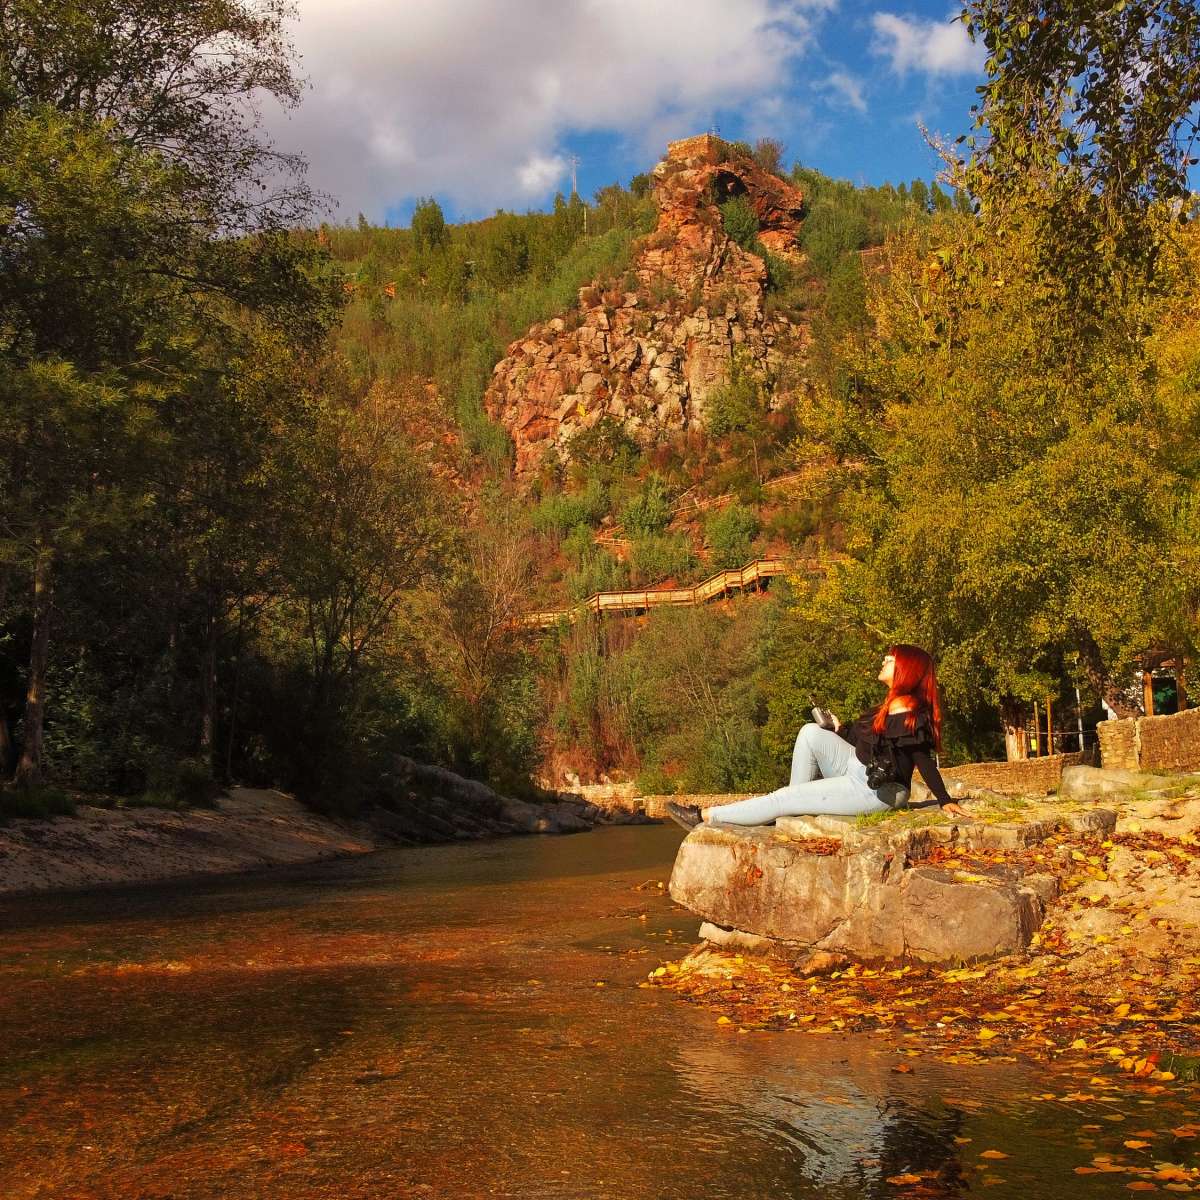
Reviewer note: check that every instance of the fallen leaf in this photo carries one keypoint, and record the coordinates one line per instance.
(993, 1154)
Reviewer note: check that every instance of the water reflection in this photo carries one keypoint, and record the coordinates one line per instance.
(840, 1125)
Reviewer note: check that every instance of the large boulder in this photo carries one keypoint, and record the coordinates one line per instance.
(431, 803)
(820, 884)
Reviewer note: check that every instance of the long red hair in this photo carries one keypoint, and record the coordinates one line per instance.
(914, 681)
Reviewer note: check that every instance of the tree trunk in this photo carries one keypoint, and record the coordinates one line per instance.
(5, 745)
(1097, 675)
(29, 767)
(208, 694)
(1016, 736)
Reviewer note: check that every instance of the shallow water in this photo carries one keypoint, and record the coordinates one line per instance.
(431, 1023)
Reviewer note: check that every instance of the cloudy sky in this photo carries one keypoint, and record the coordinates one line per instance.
(482, 103)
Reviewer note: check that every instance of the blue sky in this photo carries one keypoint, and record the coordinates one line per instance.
(481, 103)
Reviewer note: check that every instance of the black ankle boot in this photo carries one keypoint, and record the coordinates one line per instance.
(686, 815)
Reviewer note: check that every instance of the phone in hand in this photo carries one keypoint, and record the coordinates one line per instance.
(824, 718)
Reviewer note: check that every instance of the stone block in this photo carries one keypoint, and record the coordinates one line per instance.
(1092, 822)
(945, 920)
(822, 826)
(1093, 783)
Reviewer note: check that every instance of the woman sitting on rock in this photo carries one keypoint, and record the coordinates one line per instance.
(830, 766)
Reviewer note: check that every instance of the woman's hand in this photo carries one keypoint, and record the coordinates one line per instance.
(955, 810)
(836, 724)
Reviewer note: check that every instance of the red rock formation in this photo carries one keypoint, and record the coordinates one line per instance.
(650, 357)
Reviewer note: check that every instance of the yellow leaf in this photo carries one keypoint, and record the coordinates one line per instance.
(1122, 1010)
(1079, 1044)
(1171, 1171)
(986, 1035)
(724, 1021)
(1135, 1144)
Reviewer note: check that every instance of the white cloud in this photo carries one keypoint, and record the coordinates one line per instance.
(474, 100)
(845, 88)
(540, 172)
(933, 47)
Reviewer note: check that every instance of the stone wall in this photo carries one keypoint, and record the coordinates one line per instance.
(1166, 743)
(1029, 775)
(1118, 745)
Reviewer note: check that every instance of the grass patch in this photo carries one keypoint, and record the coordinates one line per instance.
(38, 802)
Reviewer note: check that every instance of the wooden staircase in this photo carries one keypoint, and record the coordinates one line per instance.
(753, 576)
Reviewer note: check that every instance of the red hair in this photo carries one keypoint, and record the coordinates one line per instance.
(914, 681)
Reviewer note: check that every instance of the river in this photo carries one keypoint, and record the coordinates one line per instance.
(465, 1021)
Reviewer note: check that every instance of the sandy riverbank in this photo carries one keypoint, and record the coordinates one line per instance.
(249, 829)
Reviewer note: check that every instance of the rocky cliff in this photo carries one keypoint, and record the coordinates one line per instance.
(650, 356)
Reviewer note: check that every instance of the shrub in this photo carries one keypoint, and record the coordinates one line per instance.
(650, 510)
(560, 513)
(741, 222)
(605, 444)
(597, 571)
(730, 534)
(655, 557)
(653, 780)
(180, 783)
(738, 403)
(39, 802)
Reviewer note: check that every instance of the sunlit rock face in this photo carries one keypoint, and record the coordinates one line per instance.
(649, 349)
(872, 892)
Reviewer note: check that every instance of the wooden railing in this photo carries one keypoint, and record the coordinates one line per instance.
(632, 602)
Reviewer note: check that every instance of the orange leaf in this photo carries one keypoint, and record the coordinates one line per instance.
(1135, 1144)
(993, 1154)
(903, 1179)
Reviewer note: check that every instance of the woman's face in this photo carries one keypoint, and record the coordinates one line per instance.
(888, 671)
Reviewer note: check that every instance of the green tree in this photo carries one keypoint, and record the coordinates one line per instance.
(128, 159)
(429, 226)
(367, 530)
(730, 534)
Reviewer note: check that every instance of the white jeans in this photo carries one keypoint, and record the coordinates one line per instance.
(826, 778)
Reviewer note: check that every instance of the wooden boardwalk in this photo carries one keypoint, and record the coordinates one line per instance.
(631, 603)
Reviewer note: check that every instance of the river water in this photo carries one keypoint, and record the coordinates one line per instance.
(465, 1021)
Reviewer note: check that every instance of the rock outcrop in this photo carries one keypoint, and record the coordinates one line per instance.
(873, 892)
(648, 352)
